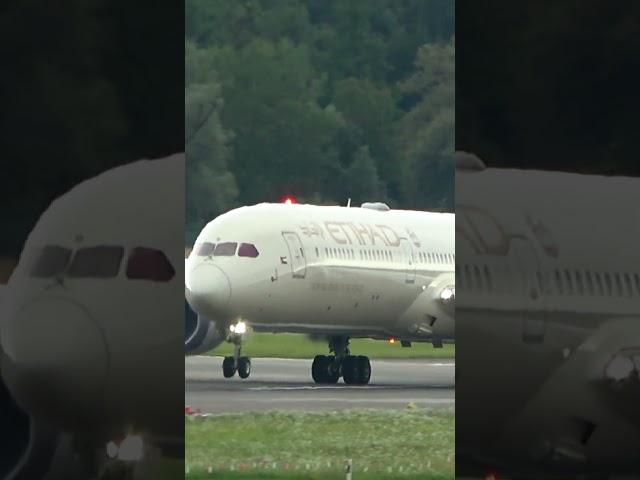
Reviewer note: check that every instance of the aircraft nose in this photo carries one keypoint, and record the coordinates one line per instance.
(208, 289)
(56, 360)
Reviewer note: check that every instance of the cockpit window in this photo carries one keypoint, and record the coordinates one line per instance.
(51, 261)
(227, 249)
(149, 264)
(96, 262)
(248, 250)
(205, 249)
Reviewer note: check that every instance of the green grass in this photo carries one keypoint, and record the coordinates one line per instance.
(290, 345)
(410, 444)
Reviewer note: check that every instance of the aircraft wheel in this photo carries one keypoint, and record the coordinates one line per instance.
(324, 369)
(332, 371)
(244, 367)
(350, 370)
(228, 367)
(319, 368)
(364, 369)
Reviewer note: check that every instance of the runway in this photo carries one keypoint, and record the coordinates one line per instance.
(285, 384)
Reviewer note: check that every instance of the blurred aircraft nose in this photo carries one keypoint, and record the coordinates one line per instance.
(208, 289)
(56, 360)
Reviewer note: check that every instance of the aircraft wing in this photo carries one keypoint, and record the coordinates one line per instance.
(588, 408)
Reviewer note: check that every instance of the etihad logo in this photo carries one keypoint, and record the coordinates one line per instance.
(354, 233)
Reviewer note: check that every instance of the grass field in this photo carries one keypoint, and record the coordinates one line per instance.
(289, 345)
(409, 444)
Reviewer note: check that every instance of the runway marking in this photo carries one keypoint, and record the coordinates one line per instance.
(324, 387)
(357, 400)
(343, 387)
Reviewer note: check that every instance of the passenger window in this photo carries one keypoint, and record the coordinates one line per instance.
(599, 284)
(559, 286)
(96, 262)
(478, 278)
(51, 261)
(250, 250)
(226, 249)
(627, 279)
(487, 278)
(607, 281)
(205, 249)
(569, 282)
(618, 284)
(149, 264)
(579, 284)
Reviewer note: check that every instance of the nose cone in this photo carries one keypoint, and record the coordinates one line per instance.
(56, 360)
(208, 289)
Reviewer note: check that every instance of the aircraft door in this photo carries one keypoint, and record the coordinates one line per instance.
(297, 258)
(526, 269)
(407, 249)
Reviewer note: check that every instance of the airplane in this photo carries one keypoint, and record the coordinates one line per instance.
(91, 322)
(338, 272)
(547, 323)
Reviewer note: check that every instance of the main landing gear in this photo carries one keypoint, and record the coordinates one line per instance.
(327, 369)
(236, 363)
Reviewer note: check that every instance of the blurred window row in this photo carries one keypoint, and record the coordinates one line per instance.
(102, 261)
(442, 258)
(560, 282)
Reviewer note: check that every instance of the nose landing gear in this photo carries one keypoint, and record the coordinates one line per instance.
(236, 363)
(327, 369)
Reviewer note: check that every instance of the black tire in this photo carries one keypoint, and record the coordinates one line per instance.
(319, 369)
(332, 370)
(350, 370)
(364, 370)
(228, 367)
(244, 367)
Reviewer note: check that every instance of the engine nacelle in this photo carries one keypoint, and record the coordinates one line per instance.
(32, 449)
(202, 334)
(432, 314)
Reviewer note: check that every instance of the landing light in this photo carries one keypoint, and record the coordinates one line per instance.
(448, 294)
(239, 328)
(392, 340)
(130, 449)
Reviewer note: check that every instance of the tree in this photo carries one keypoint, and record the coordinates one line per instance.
(426, 139)
(210, 185)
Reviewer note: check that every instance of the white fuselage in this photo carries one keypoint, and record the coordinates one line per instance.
(94, 345)
(549, 270)
(328, 270)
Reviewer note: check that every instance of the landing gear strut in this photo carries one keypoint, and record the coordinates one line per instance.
(236, 363)
(327, 369)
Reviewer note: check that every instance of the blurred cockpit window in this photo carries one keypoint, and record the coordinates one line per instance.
(149, 264)
(227, 249)
(96, 262)
(205, 249)
(51, 261)
(248, 250)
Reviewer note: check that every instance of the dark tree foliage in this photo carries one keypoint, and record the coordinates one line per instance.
(551, 85)
(86, 85)
(326, 100)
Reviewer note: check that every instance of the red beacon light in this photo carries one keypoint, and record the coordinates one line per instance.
(289, 200)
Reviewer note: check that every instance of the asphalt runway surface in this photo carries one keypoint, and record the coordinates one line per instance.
(286, 384)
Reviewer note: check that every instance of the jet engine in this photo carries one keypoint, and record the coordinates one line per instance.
(202, 334)
(32, 449)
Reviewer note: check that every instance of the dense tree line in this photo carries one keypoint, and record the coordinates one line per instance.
(85, 85)
(550, 85)
(322, 99)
